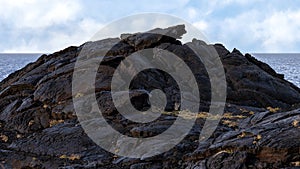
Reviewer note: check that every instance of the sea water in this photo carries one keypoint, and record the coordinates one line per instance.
(9, 63)
(287, 64)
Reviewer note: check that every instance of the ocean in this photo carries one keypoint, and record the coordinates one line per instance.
(287, 64)
(12, 62)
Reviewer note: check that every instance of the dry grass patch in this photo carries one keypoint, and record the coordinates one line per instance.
(296, 163)
(295, 123)
(231, 116)
(4, 138)
(273, 110)
(72, 157)
(229, 123)
(55, 122)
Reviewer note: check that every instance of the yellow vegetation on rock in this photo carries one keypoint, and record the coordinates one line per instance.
(273, 110)
(229, 123)
(296, 163)
(74, 157)
(31, 122)
(295, 123)
(117, 150)
(258, 137)
(77, 95)
(251, 112)
(244, 134)
(3, 137)
(45, 106)
(63, 156)
(231, 116)
(204, 115)
(71, 157)
(228, 151)
(55, 122)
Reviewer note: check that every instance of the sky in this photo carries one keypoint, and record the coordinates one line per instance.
(252, 26)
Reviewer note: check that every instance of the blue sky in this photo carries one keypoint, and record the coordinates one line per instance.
(249, 25)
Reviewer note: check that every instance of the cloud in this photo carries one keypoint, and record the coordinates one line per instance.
(50, 25)
(202, 25)
(38, 14)
(52, 40)
(259, 31)
(239, 2)
(280, 31)
(43, 26)
(192, 13)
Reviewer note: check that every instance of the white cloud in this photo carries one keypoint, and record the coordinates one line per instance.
(192, 13)
(37, 13)
(280, 31)
(237, 31)
(202, 25)
(50, 25)
(45, 26)
(58, 39)
(208, 7)
(136, 23)
(156, 5)
(257, 30)
(239, 2)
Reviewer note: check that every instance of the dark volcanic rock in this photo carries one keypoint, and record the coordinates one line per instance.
(265, 140)
(254, 83)
(39, 127)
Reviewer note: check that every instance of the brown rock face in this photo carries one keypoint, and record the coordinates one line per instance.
(39, 127)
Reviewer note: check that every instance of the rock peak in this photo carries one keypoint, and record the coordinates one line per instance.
(175, 32)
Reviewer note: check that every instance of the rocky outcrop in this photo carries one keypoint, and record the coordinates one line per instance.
(251, 82)
(39, 127)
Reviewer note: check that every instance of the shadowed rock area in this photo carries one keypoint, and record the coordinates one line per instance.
(260, 127)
